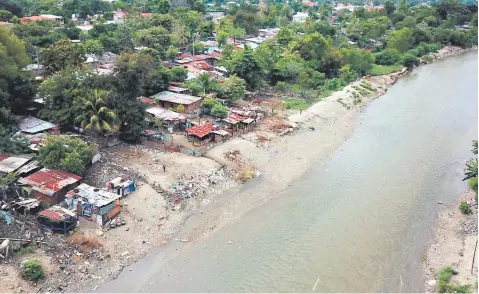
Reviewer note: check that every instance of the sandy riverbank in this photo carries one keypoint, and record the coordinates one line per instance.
(454, 245)
(281, 160)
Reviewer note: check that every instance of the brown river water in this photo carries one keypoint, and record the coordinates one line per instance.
(358, 222)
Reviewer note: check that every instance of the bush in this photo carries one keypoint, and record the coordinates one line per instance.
(443, 282)
(464, 208)
(427, 58)
(219, 110)
(388, 57)
(410, 60)
(294, 104)
(473, 185)
(246, 173)
(281, 87)
(23, 250)
(379, 70)
(32, 270)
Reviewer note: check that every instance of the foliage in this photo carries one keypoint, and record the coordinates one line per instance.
(95, 116)
(196, 48)
(93, 47)
(471, 169)
(410, 60)
(178, 74)
(62, 54)
(379, 70)
(464, 208)
(157, 38)
(245, 65)
(444, 286)
(10, 140)
(281, 86)
(233, 88)
(180, 108)
(207, 104)
(32, 270)
(400, 40)
(219, 110)
(23, 250)
(473, 184)
(360, 60)
(297, 104)
(388, 57)
(71, 154)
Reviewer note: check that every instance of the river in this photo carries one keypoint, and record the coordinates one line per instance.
(358, 222)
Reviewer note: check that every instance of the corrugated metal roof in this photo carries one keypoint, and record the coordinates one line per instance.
(49, 181)
(57, 213)
(14, 162)
(200, 131)
(165, 114)
(168, 96)
(33, 125)
(93, 195)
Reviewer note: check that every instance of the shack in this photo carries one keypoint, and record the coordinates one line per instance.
(93, 204)
(33, 125)
(121, 186)
(199, 135)
(50, 185)
(171, 120)
(57, 218)
(11, 163)
(168, 99)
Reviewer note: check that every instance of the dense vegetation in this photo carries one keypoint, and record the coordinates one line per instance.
(306, 60)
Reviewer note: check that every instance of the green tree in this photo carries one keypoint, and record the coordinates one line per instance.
(400, 40)
(233, 88)
(157, 38)
(32, 270)
(61, 152)
(471, 169)
(93, 47)
(284, 36)
(95, 116)
(10, 140)
(360, 60)
(410, 60)
(207, 104)
(5, 15)
(219, 110)
(62, 54)
(244, 65)
(388, 57)
(178, 74)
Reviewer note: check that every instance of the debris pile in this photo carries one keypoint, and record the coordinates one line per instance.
(197, 186)
(277, 125)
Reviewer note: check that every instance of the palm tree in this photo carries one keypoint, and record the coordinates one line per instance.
(205, 82)
(474, 147)
(97, 117)
(471, 169)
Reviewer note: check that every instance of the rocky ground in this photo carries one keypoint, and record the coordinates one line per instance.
(454, 245)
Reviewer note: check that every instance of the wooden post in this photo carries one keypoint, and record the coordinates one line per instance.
(473, 257)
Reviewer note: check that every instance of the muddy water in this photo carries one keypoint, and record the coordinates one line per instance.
(357, 222)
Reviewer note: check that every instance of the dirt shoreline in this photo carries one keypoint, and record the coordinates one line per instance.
(454, 245)
(320, 131)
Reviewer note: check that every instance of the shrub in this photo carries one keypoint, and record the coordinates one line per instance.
(293, 103)
(410, 60)
(427, 58)
(219, 110)
(379, 70)
(473, 185)
(246, 173)
(464, 208)
(32, 270)
(281, 87)
(443, 282)
(23, 250)
(388, 57)
(180, 108)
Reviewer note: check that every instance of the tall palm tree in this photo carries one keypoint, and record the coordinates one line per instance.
(97, 117)
(474, 147)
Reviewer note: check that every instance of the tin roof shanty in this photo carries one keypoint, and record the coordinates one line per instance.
(12, 163)
(33, 125)
(165, 114)
(94, 196)
(57, 213)
(200, 131)
(49, 181)
(176, 98)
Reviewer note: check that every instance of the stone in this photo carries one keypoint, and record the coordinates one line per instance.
(229, 242)
(99, 232)
(440, 202)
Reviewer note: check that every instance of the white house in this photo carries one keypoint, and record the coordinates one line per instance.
(300, 17)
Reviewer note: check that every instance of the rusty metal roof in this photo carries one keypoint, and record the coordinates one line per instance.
(49, 181)
(57, 213)
(200, 131)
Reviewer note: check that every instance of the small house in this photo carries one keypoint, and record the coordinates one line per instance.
(57, 218)
(94, 204)
(50, 185)
(300, 17)
(168, 99)
(33, 125)
(121, 186)
(171, 120)
(199, 135)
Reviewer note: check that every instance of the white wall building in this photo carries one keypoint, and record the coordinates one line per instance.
(300, 17)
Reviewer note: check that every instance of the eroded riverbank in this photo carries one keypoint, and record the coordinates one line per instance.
(330, 205)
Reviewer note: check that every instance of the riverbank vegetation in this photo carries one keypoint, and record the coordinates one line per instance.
(306, 61)
(444, 285)
(471, 169)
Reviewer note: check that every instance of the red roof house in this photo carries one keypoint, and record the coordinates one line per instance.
(199, 135)
(50, 185)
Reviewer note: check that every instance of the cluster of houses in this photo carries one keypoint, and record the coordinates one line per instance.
(56, 198)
